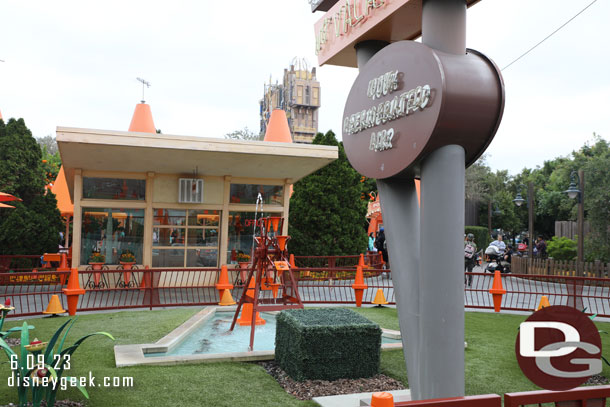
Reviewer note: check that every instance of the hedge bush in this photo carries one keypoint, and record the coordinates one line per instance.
(481, 236)
(561, 248)
(327, 344)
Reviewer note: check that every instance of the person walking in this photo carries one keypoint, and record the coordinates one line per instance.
(381, 245)
(470, 257)
(541, 247)
(372, 242)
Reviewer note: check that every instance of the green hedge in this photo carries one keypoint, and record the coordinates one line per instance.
(327, 344)
(481, 236)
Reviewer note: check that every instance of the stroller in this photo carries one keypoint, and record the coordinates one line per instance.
(496, 261)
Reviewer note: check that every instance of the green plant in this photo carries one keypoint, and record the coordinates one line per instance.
(327, 344)
(481, 235)
(5, 309)
(97, 258)
(561, 248)
(50, 364)
(243, 257)
(127, 257)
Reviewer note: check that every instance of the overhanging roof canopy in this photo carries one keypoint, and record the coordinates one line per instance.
(103, 150)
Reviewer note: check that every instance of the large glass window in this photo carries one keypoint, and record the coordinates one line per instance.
(241, 233)
(247, 194)
(185, 238)
(110, 232)
(114, 188)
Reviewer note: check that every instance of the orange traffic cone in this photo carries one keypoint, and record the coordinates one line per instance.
(246, 311)
(379, 298)
(497, 291)
(73, 291)
(275, 222)
(359, 286)
(226, 299)
(544, 302)
(361, 261)
(223, 281)
(293, 265)
(382, 399)
(54, 306)
(281, 242)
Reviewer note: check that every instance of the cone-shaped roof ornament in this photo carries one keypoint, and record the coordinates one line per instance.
(277, 128)
(142, 120)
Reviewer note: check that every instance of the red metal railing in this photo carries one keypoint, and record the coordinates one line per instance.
(370, 259)
(30, 292)
(524, 291)
(487, 400)
(19, 262)
(593, 396)
(151, 288)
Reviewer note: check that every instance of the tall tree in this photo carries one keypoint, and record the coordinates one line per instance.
(326, 209)
(33, 226)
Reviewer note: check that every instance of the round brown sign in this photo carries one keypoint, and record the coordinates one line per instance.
(558, 348)
(409, 100)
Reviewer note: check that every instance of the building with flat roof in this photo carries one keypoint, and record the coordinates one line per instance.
(175, 201)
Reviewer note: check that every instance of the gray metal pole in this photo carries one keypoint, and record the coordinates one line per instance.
(401, 219)
(441, 305)
(581, 223)
(400, 208)
(530, 220)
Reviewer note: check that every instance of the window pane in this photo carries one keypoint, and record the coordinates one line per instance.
(110, 232)
(202, 258)
(114, 188)
(203, 217)
(169, 217)
(241, 225)
(168, 236)
(203, 237)
(168, 257)
(247, 194)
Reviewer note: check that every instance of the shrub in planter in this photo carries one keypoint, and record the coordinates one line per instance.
(561, 248)
(327, 344)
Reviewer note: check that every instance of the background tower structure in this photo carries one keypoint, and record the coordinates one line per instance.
(299, 96)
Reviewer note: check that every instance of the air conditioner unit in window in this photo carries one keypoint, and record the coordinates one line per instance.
(190, 190)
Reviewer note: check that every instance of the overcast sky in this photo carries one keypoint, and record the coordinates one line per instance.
(74, 63)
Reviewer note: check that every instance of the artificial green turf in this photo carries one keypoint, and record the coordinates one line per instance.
(491, 366)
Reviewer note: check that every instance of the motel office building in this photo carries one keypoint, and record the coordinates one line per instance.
(176, 201)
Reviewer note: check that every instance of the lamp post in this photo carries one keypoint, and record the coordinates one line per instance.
(530, 213)
(496, 212)
(575, 191)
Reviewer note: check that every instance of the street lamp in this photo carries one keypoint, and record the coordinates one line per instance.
(519, 199)
(530, 213)
(576, 191)
(496, 212)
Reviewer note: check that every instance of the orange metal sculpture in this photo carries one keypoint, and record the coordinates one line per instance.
(270, 267)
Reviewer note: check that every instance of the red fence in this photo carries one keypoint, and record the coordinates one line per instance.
(524, 291)
(151, 288)
(19, 262)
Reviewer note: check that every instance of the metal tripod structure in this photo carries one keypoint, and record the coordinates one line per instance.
(270, 270)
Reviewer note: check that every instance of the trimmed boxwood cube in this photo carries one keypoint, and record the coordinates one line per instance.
(327, 344)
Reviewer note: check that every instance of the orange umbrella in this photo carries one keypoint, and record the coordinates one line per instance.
(4, 197)
(6, 206)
